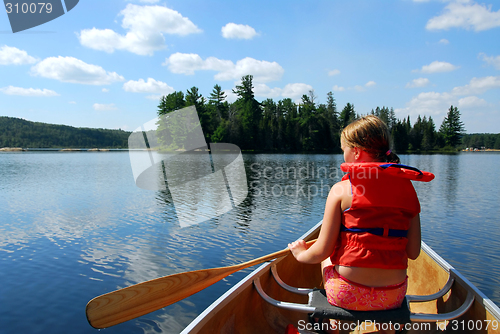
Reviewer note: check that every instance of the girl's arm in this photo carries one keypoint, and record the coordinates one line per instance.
(328, 234)
(414, 238)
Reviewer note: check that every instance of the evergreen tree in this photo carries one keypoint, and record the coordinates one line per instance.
(308, 122)
(332, 117)
(217, 99)
(194, 98)
(429, 134)
(392, 119)
(347, 115)
(400, 136)
(249, 113)
(171, 102)
(452, 128)
(268, 124)
(218, 114)
(496, 146)
(416, 134)
(292, 132)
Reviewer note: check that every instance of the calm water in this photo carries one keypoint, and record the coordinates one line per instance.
(74, 226)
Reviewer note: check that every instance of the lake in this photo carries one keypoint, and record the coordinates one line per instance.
(73, 225)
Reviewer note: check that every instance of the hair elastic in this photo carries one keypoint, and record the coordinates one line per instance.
(388, 152)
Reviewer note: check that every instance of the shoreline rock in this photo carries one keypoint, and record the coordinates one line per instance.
(12, 149)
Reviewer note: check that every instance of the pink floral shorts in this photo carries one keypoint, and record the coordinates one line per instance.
(357, 297)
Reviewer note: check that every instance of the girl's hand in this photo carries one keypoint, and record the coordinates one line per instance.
(297, 247)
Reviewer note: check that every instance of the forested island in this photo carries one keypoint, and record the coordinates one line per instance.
(16, 132)
(266, 126)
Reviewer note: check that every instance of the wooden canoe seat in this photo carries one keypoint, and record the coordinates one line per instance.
(319, 307)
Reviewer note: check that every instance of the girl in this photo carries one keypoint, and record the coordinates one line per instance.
(371, 223)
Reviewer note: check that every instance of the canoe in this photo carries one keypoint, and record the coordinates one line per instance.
(453, 303)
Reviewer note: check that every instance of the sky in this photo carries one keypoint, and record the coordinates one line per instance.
(105, 64)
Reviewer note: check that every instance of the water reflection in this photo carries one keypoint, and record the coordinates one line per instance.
(450, 178)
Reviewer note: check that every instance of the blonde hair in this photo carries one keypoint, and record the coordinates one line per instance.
(370, 134)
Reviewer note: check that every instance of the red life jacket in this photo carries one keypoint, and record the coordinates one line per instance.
(373, 230)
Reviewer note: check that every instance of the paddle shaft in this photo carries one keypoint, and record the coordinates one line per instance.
(136, 300)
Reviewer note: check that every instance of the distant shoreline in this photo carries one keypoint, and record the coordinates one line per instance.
(21, 149)
(485, 150)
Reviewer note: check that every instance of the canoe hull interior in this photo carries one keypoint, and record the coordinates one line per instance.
(242, 310)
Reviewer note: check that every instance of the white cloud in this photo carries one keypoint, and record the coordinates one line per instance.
(436, 104)
(296, 90)
(262, 71)
(370, 84)
(444, 41)
(491, 60)
(104, 107)
(471, 101)
(360, 88)
(478, 86)
(333, 72)
(72, 102)
(467, 15)
(437, 67)
(429, 103)
(188, 63)
(230, 96)
(69, 69)
(238, 31)
(420, 82)
(13, 56)
(145, 27)
(263, 90)
(293, 91)
(154, 97)
(150, 86)
(337, 88)
(149, 1)
(105, 90)
(11, 90)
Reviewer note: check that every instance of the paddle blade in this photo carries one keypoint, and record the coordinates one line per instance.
(134, 301)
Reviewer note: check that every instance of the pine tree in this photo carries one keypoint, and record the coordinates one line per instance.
(171, 102)
(249, 113)
(347, 115)
(452, 128)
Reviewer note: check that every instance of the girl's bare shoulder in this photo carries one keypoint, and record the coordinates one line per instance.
(341, 189)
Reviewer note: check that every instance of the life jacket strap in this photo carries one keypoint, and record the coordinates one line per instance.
(384, 166)
(377, 231)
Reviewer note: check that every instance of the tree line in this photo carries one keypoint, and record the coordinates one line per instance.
(16, 132)
(282, 126)
(307, 126)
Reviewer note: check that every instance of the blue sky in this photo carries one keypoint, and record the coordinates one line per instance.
(105, 64)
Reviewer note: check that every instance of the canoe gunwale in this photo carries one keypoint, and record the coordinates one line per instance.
(480, 297)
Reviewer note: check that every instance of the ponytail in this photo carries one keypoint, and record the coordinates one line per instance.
(392, 157)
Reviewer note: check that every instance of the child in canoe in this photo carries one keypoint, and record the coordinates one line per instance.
(371, 223)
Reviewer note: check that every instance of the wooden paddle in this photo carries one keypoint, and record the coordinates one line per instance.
(136, 300)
